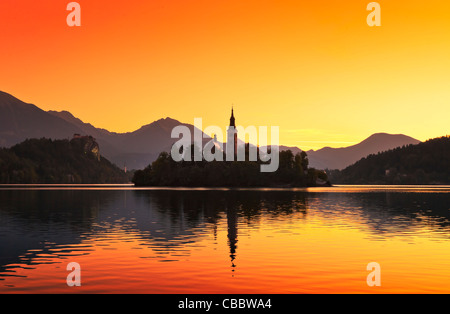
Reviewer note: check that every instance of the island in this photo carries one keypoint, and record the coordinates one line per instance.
(293, 171)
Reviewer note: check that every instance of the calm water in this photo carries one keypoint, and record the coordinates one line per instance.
(224, 241)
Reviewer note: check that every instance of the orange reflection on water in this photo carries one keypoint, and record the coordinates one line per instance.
(294, 254)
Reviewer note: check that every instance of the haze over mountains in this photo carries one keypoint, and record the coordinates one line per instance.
(135, 149)
(19, 121)
(340, 158)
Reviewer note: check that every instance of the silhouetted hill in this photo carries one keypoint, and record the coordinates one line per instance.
(57, 162)
(85, 127)
(103, 137)
(134, 149)
(423, 163)
(339, 158)
(19, 121)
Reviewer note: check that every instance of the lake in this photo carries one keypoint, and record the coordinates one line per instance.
(180, 241)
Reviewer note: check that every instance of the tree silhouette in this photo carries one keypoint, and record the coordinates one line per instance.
(292, 171)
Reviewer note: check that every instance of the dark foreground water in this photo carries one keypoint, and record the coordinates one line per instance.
(317, 240)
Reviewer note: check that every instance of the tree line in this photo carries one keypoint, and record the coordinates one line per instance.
(293, 171)
(47, 161)
(423, 163)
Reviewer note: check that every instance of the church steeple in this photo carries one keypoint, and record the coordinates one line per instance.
(232, 122)
(232, 136)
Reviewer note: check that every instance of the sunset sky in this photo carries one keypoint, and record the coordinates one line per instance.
(313, 68)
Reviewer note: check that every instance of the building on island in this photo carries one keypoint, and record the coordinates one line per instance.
(232, 133)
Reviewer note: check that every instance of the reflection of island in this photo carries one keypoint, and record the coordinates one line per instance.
(232, 219)
(186, 213)
(168, 221)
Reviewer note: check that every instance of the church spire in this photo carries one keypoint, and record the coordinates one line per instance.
(232, 135)
(232, 122)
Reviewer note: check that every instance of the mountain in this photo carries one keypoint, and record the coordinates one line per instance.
(20, 121)
(103, 137)
(143, 146)
(136, 150)
(423, 163)
(339, 158)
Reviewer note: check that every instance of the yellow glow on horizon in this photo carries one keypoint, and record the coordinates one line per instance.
(316, 67)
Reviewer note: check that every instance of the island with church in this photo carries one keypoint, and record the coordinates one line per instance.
(293, 170)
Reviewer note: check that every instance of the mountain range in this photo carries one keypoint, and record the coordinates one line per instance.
(424, 163)
(135, 150)
(340, 158)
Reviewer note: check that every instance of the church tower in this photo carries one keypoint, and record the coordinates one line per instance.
(232, 133)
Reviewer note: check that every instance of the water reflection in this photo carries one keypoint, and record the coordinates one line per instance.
(185, 216)
(42, 226)
(232, 235)
(387, 214)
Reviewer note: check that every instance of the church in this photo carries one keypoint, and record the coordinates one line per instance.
(232, 132)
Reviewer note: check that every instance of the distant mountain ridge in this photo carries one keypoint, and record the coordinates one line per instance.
(339, 158)
(423, 163)
(137, 149)
(19, 121)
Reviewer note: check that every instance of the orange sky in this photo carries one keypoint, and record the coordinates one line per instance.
(313, 68)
